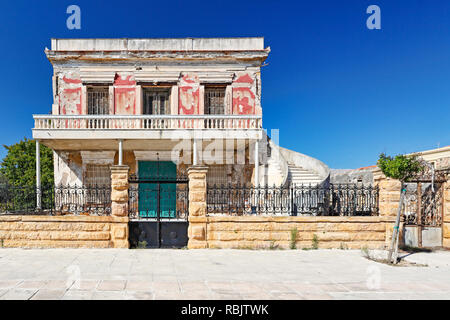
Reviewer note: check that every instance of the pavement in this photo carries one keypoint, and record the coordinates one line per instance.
(53, 274)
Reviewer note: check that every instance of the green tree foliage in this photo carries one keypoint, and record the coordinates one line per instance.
(400, 167)
(18, 168)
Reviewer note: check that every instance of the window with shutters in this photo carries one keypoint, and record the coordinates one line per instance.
(214, 100)
(156, 101)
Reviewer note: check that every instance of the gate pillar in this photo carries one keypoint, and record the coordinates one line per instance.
(197, 207)
(119, 191)
(388, 200)
(119, 205)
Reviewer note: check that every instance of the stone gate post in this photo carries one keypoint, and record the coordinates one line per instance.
(389, 197)
(119, 205)
(197, 207)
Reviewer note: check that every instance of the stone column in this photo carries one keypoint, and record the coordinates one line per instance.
(119, 190)
(256, 156)
(197, 207)
(38, 176)
(120, 152)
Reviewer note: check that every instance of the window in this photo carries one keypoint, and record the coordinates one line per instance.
(214, 100)
(98, 100)
(97, 175)
(156, 101)
(217, 175)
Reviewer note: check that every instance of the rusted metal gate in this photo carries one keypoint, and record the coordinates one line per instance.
(423, 210)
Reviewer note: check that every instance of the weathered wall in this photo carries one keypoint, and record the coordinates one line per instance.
(351, 176)
(69, 93)
(128, 159)
(124, 95)
(63, 231)
(189, 94)
(70, 166)
(68, 170)
(245, 94)
(267, 231)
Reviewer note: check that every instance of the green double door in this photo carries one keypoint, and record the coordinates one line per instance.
(158, 192)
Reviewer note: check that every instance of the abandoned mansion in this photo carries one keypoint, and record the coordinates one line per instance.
(160, 143)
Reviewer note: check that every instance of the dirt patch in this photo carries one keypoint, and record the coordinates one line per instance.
(401, 262)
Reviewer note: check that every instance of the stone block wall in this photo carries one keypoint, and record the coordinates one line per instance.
(63, 231)
(222, 231)
(269, 231)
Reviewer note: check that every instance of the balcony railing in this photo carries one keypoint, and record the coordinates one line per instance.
(145, 122)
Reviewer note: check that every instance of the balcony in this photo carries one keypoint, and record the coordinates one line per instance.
(70, 127)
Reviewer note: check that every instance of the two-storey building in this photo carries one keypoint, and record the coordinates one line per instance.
(159, 106)
(137, 101)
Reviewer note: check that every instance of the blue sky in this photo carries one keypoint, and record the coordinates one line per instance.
(336, 90)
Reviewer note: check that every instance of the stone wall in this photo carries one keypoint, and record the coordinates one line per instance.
(63, 231)
(255, 232)
(269, 231)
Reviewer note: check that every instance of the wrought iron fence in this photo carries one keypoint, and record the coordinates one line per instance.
(55, 200)
(332, 200)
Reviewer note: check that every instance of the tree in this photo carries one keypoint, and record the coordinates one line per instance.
(19, 165)
(402, 168)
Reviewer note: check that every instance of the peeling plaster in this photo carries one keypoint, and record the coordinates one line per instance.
(124, 94)
(69, 93)
(189, 94)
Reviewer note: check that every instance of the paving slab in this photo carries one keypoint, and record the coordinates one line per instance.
(217, 274)
(48, 294)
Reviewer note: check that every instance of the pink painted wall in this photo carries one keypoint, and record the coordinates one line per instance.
(124, 95)
(244, 98)
(70, 95)
(189, 95)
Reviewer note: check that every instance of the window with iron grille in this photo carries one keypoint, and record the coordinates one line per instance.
(156, 101)
(97, 175)
(217, 175)
(215, 100)
(98, 100)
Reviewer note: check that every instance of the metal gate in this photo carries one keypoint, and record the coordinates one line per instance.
(423, 212)
(158, 206)
(423, 209)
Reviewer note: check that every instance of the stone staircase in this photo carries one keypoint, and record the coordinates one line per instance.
(282, 166)
(274, 167)
(299, 175)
